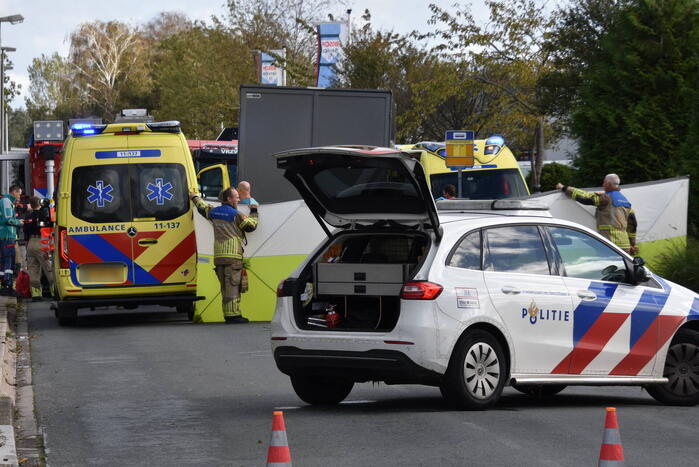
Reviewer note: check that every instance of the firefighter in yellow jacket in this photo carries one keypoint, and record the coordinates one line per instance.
(616, 220)
(230, 226)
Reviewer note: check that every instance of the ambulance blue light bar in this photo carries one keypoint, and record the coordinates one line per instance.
(493, 144)
(495, 139)
(171, 126)
(86, 129)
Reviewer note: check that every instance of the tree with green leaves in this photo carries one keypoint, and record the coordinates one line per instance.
(639, 93)
(19, 126)
(9, 87)
(48, 90)
(386, 60)
(508, 54)
(106, 58)
(197, 79)
(432, 94)
(574, 43)
(265, 25)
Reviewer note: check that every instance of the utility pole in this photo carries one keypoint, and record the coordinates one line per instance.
(12, 19)
(2, 100)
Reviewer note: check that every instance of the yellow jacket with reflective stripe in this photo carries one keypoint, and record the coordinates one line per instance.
(616, 223)
(229, 230)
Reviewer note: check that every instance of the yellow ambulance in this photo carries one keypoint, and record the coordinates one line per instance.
(494, 175)
(124, 222)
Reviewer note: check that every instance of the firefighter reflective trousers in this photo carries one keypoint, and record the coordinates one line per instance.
(38, 263)
(229, 277)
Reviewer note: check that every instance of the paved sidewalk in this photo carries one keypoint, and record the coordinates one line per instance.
(8, 372)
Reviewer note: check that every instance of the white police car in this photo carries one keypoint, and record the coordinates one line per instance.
(483, 294)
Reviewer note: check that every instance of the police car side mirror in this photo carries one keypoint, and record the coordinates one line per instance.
(639, 272)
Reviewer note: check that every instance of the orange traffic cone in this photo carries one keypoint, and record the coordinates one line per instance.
(278, 454)
(611, 454)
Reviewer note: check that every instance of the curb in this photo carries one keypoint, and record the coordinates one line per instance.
(8, 388)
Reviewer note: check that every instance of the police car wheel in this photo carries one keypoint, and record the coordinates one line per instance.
(477, 372)
(682, 371)
(318, 390)
(539, 390)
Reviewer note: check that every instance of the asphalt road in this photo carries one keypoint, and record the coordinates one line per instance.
(149, 388)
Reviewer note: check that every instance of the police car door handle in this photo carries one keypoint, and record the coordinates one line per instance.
(148, 241)
(508, 289)
(586, 295)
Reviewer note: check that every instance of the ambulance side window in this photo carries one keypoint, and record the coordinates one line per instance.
(159, 191)
(100, 193)
(586, 257)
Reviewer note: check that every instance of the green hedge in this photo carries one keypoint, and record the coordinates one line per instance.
(680, 265)
(554, 173)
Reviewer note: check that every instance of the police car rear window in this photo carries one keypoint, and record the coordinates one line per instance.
(375, 189)
(122, 192)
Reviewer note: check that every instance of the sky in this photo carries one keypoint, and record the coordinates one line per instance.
(47, 23)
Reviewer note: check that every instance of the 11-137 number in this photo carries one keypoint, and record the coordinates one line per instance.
(167, 225)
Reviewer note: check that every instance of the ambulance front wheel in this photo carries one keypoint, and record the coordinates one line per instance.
(67, 315)
(187, 308)
(681, 370)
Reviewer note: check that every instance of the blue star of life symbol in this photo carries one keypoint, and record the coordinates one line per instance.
(159, 192)
(100, 193)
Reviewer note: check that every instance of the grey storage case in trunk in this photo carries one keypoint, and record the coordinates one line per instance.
(360, 279)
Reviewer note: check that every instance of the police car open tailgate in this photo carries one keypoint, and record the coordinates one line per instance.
(346, 186)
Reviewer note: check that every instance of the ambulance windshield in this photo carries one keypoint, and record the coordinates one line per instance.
(482, 184)
(122, 192)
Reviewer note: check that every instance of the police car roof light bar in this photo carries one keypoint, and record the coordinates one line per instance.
(491, 205)
(171, 126)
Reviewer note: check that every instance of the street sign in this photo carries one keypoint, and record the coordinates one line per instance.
(459, 152)
(459, 148)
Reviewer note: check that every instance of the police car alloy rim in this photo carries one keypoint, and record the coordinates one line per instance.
(682, 369)
(481, 370)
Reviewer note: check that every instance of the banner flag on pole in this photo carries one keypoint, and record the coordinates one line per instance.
(269, 71)
(331, 38)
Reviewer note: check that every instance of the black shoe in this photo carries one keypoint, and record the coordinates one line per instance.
(37, 299)
(236, 320)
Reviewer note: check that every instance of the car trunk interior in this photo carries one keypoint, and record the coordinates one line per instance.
(354, 284)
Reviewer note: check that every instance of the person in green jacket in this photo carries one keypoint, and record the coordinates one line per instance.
(8, 237)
